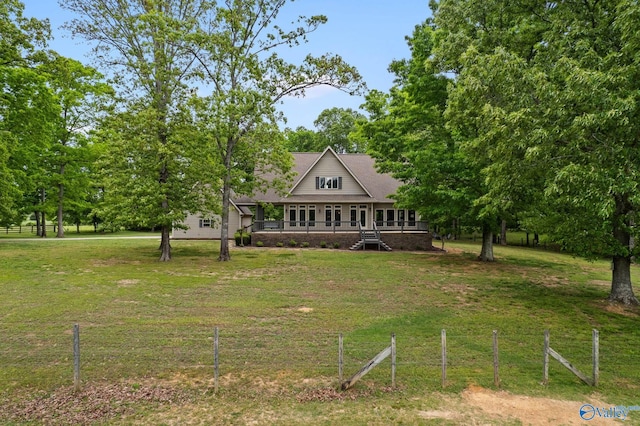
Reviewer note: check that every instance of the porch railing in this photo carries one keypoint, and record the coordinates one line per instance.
(335, 226)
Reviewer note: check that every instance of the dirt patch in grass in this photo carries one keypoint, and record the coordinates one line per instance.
(617, 308)
(532, 411)
(127, 283)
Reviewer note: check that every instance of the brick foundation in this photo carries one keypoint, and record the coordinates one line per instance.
(397, 241)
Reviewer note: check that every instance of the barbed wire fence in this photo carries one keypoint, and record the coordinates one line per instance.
(45, 356)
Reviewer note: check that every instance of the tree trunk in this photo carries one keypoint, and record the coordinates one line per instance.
(503, 233)
(486, 255)
(165, 245)
(226, 201)
(43, 224)
(43, 216)
(225, 255)
(60, 233)
(38, 230)
(621, 289)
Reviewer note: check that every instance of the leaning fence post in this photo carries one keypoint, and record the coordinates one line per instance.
(496, 376)
(76, 357)
(393, 360)
(596, 357)
(215, 360)
(443, 339)
(545, 362)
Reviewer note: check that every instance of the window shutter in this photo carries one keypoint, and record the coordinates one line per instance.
(317, 182)
(340, 182)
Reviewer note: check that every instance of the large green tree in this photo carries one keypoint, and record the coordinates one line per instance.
(408, 137)
(303, 140)
(238, 51)
(27, 109)
(147, 41)
(335, 127)
(229, 51)
(553, 89)
(79, 92)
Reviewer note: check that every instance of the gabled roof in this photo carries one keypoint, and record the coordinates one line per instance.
(376, 187)
(328, 151)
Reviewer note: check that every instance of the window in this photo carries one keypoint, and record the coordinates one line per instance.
(327, 216)
(401, 217)
(379, 217)
(333, 182)
(312, 215)
(337, 215)
(412, 217)
(303, 215)
(292, 215)
(390, 217)
(354, 215)
(205, 223)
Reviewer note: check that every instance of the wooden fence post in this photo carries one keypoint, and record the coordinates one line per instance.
(215, 360)
(545, 361)
(548, 351)
(496, 376)
(76, 357)
(393, 360)
(596, 357)
(443, 339)
(340, 356)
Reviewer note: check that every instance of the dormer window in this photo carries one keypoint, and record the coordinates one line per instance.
(333, 182)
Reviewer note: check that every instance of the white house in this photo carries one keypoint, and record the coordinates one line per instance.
(333, 197)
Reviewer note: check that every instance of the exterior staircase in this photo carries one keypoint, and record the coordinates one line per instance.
(369, 236)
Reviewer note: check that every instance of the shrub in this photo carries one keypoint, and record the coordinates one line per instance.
(259, 244)
(292, 243)
(323, 244)
(279, 244)
(336, 245)
(246, 238)
(305, 244)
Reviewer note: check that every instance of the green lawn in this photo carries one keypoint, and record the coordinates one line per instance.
(149, 325)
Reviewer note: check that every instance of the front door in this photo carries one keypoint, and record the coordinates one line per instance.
(363, 216)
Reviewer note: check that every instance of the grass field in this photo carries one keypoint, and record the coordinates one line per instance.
(147, 332)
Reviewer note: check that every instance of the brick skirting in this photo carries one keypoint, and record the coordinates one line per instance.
(397, 241)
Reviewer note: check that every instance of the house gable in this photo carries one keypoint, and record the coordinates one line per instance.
(328, 175)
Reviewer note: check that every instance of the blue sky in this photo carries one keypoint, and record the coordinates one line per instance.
(368, 34)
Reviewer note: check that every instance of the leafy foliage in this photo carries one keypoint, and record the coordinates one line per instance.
(551, 88)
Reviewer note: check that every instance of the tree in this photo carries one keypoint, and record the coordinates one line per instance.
(335, 126)
(26, 109)
(78, 90)
(553, 88)
(237, 53)
(148, 41)
(408, 137)
(134, 193)
(303, 140)
(166, 44)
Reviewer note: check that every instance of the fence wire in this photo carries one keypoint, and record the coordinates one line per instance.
(45, 353)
